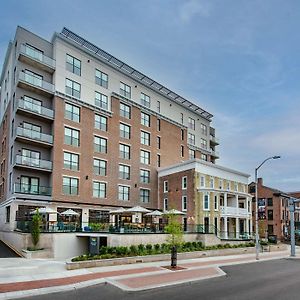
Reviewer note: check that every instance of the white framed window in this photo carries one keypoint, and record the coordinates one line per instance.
(206, 201)
(220, 184)
(125, 111)
(192, 123)
(101, 100)
(144, 195)
(71, 137)
(101, 79)
(124, 131)
(99, 189)
(123, 192)
(166, 204)
(166, 186)
(73, 88)
(144, 176)
(100, 167)
(145, 157)
(145, 138)
(203, 129)
(73, 65)
(211, 182)
(124, 151)
(125, 90)
(124, 172)
(191, 138)
(100, 122)
(235, 187)
(71, 161)
(100, 144)
(202, 181)
(145, 100)
(72, 112)
(184, 183)
(145, 119)
(216, 202)
(184, 203)
(228, 185)
(203, 156)
(192, 154)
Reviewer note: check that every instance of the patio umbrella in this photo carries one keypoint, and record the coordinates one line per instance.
(137, 209)
(173, 212)
(118, 211)
(155, 213)
(44, 210)
(70, 212)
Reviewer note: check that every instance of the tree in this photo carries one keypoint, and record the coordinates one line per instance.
(35, 228)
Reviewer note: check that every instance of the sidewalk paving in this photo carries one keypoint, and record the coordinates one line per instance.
(38, 277)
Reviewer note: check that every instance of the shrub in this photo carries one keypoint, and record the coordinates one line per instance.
(157, 248)
(149, 248)
(164, 247)
(121, 251)
(35, 228)
(133, 250)
(103, 250)
(141, 249)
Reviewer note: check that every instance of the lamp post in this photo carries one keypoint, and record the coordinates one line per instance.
(256, 205)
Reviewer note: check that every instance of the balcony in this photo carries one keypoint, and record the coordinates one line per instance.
(214, 153)
(213, 140)
(34, 137)
(234, 212)
(35, 110)
(33, 163)
(22, 188)
(35, 84)
(36, 58)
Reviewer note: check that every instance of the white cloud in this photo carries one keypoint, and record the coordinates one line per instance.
(193, 8)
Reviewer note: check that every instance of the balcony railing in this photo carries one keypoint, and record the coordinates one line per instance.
(34, 135)
(22, 188)
(36, 82)
(214, 153)
(33, 162)
(35, 108)
(37, 55)
(234, 211)
(214, 139)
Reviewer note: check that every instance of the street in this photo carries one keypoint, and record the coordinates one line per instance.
(274, 279)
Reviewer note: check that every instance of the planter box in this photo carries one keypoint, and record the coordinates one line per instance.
(45, 253)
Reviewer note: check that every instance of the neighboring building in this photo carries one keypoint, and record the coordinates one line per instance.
(212, 196)
(273, 211)
(81, 129)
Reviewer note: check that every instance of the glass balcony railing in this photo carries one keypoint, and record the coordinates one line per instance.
(214, 139)
(37, 55)
(34, 135)
(23, 188)
(33, 162)
(35, 108)
(36, 81)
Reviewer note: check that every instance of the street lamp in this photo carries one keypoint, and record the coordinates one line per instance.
(256, 205)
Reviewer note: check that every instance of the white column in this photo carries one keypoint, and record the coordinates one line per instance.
(225, 227)
(225, 202)
(237, 203)
(237, 228)
(85, 218)
(247, 225)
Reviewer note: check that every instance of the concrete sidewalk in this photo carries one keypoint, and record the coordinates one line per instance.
(35, 277)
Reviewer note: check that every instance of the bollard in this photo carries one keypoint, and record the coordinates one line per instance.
(174, 257)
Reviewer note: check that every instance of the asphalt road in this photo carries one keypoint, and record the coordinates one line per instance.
(6, 251)
(277, 279)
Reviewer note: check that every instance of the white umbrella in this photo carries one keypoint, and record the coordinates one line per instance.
(138, 209)
(70, 212)
(173, 212)
(155, 213)
(118, 211)
(44, 210)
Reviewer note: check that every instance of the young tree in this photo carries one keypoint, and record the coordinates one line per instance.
(35, 228)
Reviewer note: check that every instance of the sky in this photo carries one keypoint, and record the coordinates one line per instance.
(238, 59)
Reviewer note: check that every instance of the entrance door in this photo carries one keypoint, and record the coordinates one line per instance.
(206, 225)
(242, 227)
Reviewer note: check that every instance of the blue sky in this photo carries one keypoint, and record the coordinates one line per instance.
(238, 59)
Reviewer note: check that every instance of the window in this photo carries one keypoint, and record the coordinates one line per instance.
(29, 185)
(270, 229)
(123, 192)
(203, 144)
(34, 52)
(7, 214)
(184, 203)
(270, 215)
(70, 186)
(11, 154)
(12, 128)
(166, 186)
(101, 122)
(191, 139)
(158, 106)
(100, 144)
(72, 112)
(182, 134)
(144, 176)
(206, 202)
(158, 160)
(100, 167)
(145, 119)
(145, 138)
(158, 142)
(157, 124)
(125, 90)
(270, 201)
(184, 183)
(124, 151)
(99, 189)
(235, 187)
(145, 157)
(220, 184)
(71, 161)
(73, 65)
(73, 88)
(202, 181)
(216, 202)
(145, 100)
(181, 118)
(182, 151)
(33, 78)
(203, 156)
(101, 79)
(203, 129)
(192, 123)
(125, 111)
(211, 182)
(166, 206)
(101, 100)
(228, 185)
(144, 195)
(124, 131)
(124, 172)
(71, 137)
(31, 104)
(192, 154)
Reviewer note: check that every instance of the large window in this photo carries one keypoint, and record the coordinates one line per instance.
(73, 88)
(145, 138)
(144, 176)
(145, 157)
(192, 124)
(124, 131)
(145, 119)
(33, 78)
(100, 144)
(124, 151)
(203, 129)
(29, 185)
(99, 189)
(123, 192)
(101, 78)
(124, 172)
(144, 195)
(100, 167)
(125, 111)
(73, 65)
(145, 100)
(100, 122)
(101, 100)
(72, 112)
(206, 202)
(191, 139)
(71, 161)
(71, 137)
(70, 186)
(125, 90)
